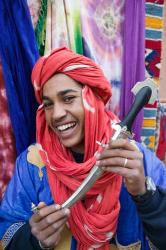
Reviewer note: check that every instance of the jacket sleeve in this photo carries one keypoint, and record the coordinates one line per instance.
(25, 188)
(153, 215)
(153, 210)
(23, 239)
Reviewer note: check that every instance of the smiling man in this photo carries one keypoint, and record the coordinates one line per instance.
(72, 124)
(64, 112)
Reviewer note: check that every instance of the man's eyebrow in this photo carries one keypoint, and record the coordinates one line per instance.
(66, 91)
(61, 93)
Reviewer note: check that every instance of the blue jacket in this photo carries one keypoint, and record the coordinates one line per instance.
(29, 184)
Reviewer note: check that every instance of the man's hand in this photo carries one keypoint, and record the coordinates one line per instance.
(47, 224)
(123, 157)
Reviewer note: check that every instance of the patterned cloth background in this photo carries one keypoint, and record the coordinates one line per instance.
(16, 45)
(153, 41)
(89, 27)
(161, 142)
(100, 29)
(93, 28)
(161, 147)
(7, 143)
(162, 92)
(101, 23)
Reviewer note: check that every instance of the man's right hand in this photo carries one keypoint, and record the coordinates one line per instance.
(47, 224)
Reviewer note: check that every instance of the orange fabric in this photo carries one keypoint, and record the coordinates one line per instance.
(94, 221)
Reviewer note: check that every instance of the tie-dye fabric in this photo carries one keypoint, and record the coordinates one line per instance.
(7, 148)
(101, 23)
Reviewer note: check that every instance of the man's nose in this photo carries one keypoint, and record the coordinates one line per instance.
(59, 111)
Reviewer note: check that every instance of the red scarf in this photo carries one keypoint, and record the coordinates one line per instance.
(94, 221)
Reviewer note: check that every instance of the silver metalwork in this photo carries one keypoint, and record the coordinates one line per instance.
(94, 174)
(119, 132)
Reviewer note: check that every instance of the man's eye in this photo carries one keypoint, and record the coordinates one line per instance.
(47, 105)
(68, 99)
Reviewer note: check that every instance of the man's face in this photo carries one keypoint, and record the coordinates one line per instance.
(64, 111)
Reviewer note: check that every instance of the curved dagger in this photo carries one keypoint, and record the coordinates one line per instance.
(145, 92)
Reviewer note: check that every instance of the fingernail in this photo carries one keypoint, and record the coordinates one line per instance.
(97, 155)
(57, 206)
(66, 211)
(97, 163)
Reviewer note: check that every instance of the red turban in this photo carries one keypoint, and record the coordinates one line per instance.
(93, 223)
(78, 67)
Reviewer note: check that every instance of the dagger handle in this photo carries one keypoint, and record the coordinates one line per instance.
(141, 99)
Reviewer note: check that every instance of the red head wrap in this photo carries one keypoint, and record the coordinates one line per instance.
(78, 67)
(94, 222)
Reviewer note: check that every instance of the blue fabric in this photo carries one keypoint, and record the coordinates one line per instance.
(18, 53)
(129, 225)
(26, 187)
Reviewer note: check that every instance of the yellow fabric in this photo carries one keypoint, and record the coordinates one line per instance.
(34, 158)
(149, 123)
(65, 241)
(153, 22)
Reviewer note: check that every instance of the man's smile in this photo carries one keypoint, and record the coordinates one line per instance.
(65, 126)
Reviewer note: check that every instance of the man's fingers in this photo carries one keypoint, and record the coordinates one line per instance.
(44, 211)
(52, 213)
(53, 239)
(119, 162)
(119, 153)
(41, 205)
(53, 218)
(125, 172)
(51, 229)
(48, 210)
(122, 143)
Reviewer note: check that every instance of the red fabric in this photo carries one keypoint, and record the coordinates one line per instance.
(155, 1)
(7, 143)
(153, 44)
(161, 150)
(93, 222)
(48, 66)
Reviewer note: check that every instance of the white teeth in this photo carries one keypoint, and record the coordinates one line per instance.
(66, 126)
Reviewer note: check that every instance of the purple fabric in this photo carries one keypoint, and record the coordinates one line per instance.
(133, 58)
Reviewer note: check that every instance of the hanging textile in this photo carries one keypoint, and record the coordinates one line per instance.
(73, 12)
(7, 143)
(162, 87)
(18, 52)
(161, 142)
(63, 27)
(133, 57)
(101, 23)
(56, 26)
(153, 40)
(161, 149)
(35, 9)
(40, 28)
(92, 29)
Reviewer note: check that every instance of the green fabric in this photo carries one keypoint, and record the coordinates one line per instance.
(78, 34)
(40, 30)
